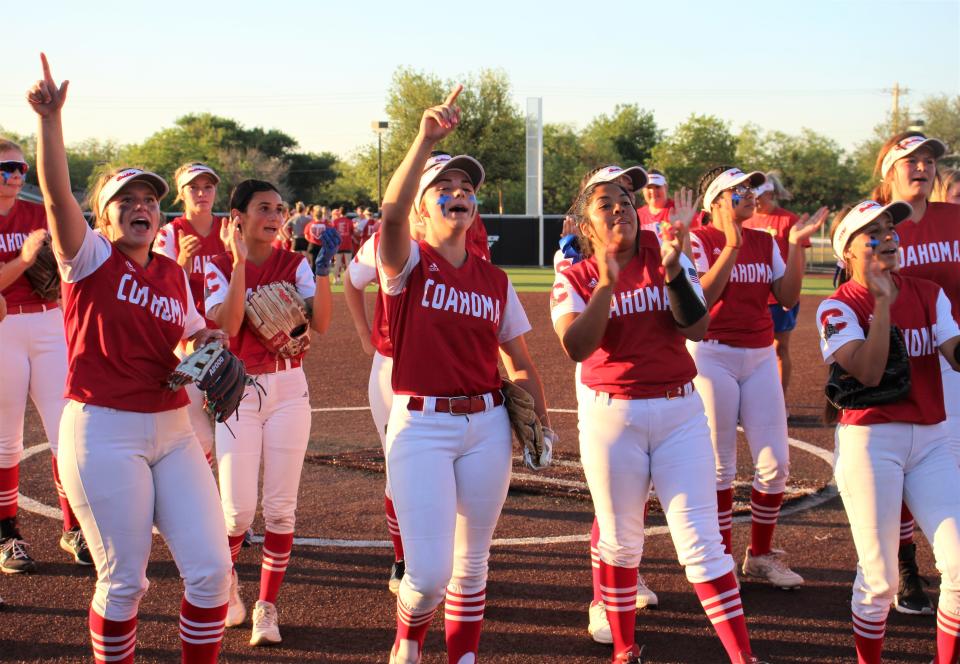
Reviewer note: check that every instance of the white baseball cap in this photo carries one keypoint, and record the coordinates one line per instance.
(613, 172)
(655, 180)
(118, 182)
(909, 145)
(861, 215)
(728, 179)
(442, 163)
(195, 171)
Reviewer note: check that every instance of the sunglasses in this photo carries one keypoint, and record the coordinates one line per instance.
(14, 167)
(741, 189)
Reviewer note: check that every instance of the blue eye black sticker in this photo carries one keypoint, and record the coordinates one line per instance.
(442, 201)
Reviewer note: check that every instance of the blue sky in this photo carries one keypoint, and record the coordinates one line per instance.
(320, 70)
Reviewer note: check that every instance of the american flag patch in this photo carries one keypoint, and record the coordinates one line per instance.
(693, 275)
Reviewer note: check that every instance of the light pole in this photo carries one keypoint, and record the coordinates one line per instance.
(379, 126)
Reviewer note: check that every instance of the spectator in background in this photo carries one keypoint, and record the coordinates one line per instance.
(344, 227)
(313, 230)
(300, 220)
(773, 219)
(947, 188)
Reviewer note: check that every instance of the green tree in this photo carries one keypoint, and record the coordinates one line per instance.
(627, 137)
(563, 166)
(696, 145)
(942, 117)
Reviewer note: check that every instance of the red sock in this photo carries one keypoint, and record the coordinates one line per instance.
(948, 637)
(69, 518)
(236, 543)
(868, 635)
(720, 599)
(394, 529)
(906, 524)
(113, 640)
(209, 456)
(411, 626)
(619, 586)
(201, 632)
(764, 512)
(725, 517)
(595, 561)
(276, 556)
(463, 620)
(9, 486)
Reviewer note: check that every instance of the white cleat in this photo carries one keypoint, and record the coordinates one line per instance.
(407, 652)
(646, 598)
(771, 568)
(236, 611)
(599, 627)
(266, 627)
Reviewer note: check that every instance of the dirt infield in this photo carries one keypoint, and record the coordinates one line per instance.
(335, 607)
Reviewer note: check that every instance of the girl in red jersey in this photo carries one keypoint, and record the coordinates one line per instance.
(273, 425)
(625, 312)
(773, 219)
(192, 240)
(128, 456)
(35, 362)
(929, 249)
(736, 365)
(448, 440)
(900, 450)
(948, 190)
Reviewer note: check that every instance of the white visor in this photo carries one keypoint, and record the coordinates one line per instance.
(656, 180)
(907, 146)
(863, 214)
(193, 173)
(637, 176)
(728, 179)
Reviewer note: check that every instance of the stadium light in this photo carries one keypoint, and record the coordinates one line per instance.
(379, 126)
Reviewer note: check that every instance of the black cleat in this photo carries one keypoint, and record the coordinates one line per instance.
(911, 597)
(74, 543)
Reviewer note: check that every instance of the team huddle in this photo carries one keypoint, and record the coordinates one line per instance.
(678, 316)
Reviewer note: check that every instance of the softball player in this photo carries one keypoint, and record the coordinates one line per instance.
(948, 191)
(929, 249)
(192, 240)
(273, 421)
(448, 438)
(624, 313)
(900, 450)
(736, 365)
(776, 221)
(35, 355)
(128, 455)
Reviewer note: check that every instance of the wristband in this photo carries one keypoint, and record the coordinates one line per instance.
(685, 304)
(956, 353)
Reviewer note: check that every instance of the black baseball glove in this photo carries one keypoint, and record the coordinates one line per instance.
(218, 373)
(846, 392)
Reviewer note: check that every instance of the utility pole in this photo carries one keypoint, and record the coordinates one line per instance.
(895, 93)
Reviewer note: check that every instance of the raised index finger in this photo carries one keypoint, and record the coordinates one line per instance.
(452, 97)
(47, 76)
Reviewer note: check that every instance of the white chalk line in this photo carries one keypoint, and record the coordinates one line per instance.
(803, 504)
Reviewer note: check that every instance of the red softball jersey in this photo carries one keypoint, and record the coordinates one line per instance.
(344, 228)
(123, 322)
(740, 317)
(168, 244)
(778, 224)
(313, 231)
(362, 272)
(477, 241)
(922, 312)
(930, 250)
(447, 323)
(282, 265)
(642, 354)
(24, 217)
(651, 222)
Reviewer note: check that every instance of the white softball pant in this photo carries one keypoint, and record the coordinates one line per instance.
(274, 426)
(951, 400)
(743, 384)
(449, 476)
(34, 363)
(626, 444)
(876, 467)
(124, 472)
(380, 394)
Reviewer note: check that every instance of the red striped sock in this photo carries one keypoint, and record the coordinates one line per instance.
(209, 457)
(868, 636)
(725, 517)
(412, 629)
(948, 637)
(906, 525)
(764, 512)
(720, 599)
(463, 620)
(393, 527)
(201, 632)
(113, 640)
(236, 543)
(69, 518)
(276, 557)
(619, 588)
(595, 561)
(9, 487)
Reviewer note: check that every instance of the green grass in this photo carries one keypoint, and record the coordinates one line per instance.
(540, 280)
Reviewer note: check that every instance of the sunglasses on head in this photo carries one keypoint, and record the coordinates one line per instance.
(14, 167)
